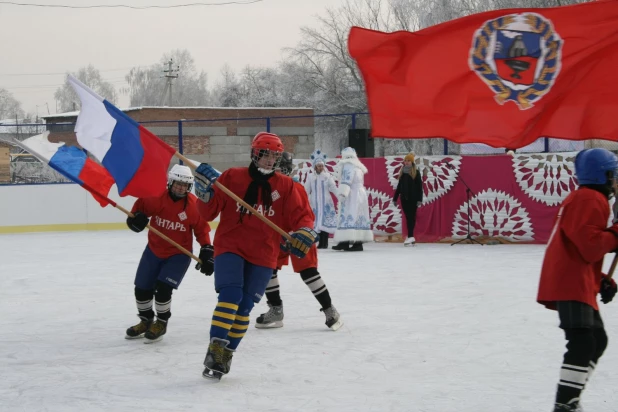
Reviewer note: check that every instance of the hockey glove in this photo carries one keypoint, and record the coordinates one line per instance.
(302, 240)
(138, 222)
(207, 172)
(203, 192)
(207, 266)
(608, 289)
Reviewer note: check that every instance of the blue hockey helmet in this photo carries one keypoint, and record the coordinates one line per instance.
(592, 165)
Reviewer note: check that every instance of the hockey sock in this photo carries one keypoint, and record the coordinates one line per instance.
(225, 313)
(143, 300)
(273, 295)
(163, 301)
(241, 322)
(574, 371)
(316, 285)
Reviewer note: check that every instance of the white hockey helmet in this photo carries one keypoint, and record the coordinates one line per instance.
(181, 174)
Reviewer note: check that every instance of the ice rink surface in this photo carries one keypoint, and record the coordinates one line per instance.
(434, 328)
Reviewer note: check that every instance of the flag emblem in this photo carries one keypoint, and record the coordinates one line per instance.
(518, 56)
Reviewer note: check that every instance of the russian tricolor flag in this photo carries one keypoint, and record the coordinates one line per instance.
(137, 159)
(72, 162)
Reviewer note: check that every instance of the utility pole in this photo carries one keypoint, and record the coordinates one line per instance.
(170, 74)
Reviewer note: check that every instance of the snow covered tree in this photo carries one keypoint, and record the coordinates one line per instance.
(147, 84)
(91, 77)
(10, 108)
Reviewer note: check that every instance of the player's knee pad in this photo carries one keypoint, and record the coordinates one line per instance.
(231, 294)
(143, 295)
(580, 347)
(163, 292)
(246, 305)
(308, 273)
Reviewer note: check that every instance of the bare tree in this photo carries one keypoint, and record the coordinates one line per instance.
(91, 77)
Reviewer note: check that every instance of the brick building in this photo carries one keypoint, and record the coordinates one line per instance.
(219, 136)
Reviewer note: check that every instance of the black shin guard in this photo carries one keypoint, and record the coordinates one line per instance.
(581, 348)
(163, 300)
(143, 300)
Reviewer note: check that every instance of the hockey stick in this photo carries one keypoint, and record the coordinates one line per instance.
(239, 200)
(107, 199)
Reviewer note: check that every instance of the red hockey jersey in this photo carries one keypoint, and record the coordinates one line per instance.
(253, 239)
(311, 259)
(574, 255)
(174, 220)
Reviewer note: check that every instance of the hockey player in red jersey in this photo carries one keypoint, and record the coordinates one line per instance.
(162, 266)
(246, 249)
(308, 269)
(571, 274)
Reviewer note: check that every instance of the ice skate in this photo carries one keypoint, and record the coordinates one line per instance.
(333, 320)
(410, 241)
(138, 331)
(271, 319)
(218, 359)
(569, 407)
(156, 331)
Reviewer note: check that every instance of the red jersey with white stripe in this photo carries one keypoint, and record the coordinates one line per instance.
(252, 239)
(575, 251)
(179, 220)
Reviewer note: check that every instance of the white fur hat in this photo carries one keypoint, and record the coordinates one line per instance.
(349, 153)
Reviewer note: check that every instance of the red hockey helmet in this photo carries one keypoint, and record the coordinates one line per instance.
(267, 141)
(266, 151)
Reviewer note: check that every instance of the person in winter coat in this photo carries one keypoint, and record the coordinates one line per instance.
(353, 220)
(319, 185)
(571, 275)
(410, 189)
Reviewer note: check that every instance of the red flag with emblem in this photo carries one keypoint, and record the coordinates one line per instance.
(503, 77)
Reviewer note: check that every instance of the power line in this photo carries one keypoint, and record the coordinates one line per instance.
(60, 73)
(126, 6)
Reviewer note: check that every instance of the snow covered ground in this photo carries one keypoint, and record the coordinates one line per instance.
(433, 328)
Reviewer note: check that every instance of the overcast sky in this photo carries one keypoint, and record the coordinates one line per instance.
(49, 40)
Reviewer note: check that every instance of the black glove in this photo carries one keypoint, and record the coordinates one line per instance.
(608, 289)
(138, 222)
(208, 261)
(396, 197)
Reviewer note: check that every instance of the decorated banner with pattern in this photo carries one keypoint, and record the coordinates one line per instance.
(511, 197)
